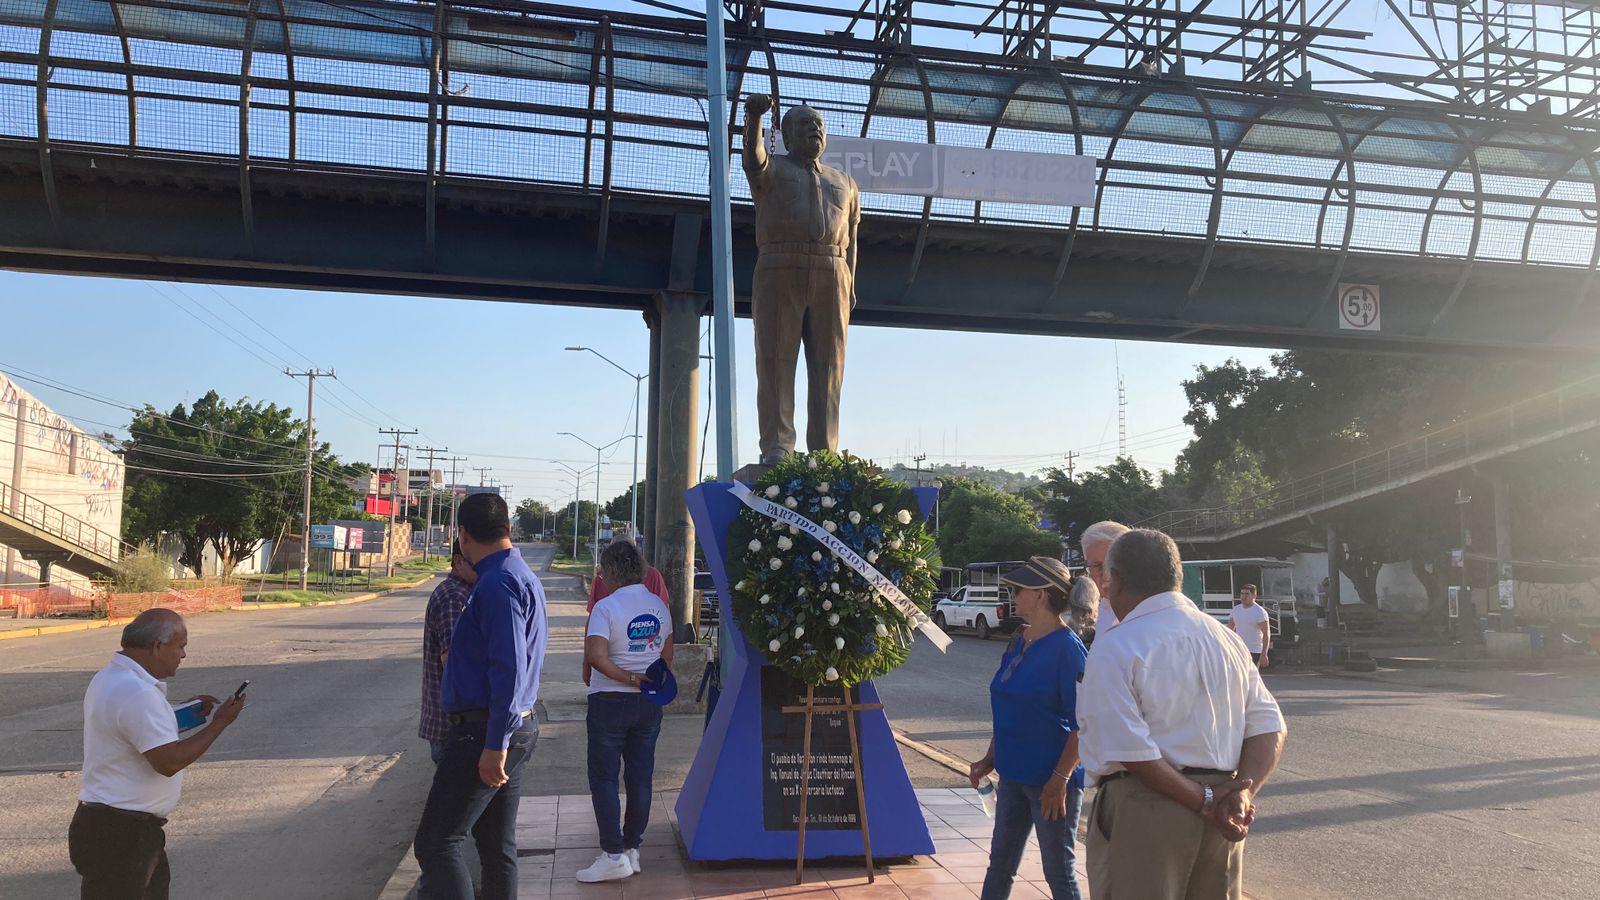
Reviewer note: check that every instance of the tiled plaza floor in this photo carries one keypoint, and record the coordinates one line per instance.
(556, 837)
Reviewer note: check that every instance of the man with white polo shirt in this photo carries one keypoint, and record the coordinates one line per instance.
(133, 762)
(1178, 732)
(1096, 542)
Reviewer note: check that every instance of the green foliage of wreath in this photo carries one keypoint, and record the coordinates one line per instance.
(810, 613)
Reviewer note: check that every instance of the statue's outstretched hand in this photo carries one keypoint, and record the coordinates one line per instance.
(757, 105)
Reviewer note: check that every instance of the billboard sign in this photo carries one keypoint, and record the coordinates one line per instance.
(323, 537)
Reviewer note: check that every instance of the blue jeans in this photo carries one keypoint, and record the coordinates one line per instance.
(436, 748)
(623, 728)
(1016, 812)
(459, 802)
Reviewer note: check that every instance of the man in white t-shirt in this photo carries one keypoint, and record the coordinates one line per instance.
(133, 762)
(1252, 622)
(628, 631)
(1096, 542)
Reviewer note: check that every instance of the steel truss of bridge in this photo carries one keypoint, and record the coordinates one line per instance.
(541, 153)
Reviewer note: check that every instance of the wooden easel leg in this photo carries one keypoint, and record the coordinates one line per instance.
(861, 794)
(805, 787)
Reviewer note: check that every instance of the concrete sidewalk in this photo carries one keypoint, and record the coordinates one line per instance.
(556, 830)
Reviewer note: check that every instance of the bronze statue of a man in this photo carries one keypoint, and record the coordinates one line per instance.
(807, 215)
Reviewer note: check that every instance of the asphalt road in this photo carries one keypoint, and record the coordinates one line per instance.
(1405, 784)
(314, 792)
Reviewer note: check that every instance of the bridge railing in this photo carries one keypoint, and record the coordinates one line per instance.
(1503, 429)
(35, 512)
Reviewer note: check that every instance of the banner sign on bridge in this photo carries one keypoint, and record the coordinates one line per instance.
(963, 173)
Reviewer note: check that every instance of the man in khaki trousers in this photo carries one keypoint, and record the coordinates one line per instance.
(807, 215)
(1179, 734)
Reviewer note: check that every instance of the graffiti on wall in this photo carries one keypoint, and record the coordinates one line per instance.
(1558, 601)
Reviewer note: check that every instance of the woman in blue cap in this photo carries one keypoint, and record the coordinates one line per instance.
(629, 632)
(1035, 745)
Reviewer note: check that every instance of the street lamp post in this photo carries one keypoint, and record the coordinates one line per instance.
(633, 490)
(577, 484)
(597, 452)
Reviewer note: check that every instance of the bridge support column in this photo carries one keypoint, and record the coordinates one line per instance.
(647, 509)
(1501, 488)
(1335, 562)
(16, 481)
(676, 387)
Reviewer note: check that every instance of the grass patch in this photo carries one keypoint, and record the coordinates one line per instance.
(431, 564)
(289, 597)
(565, 564)
(397, 580)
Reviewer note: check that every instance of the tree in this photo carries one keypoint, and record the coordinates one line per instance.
(1122, 490)
(228, 476)
(585, 523)
(532, 516)
(978, 523)
(620, 507)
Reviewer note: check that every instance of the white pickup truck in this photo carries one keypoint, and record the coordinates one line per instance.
(983, 608)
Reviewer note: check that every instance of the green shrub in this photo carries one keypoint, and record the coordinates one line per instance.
(141, 571)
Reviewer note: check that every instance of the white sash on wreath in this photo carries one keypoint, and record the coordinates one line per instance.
(879, 582)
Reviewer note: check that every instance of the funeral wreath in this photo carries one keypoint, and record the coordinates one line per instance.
(812, 613)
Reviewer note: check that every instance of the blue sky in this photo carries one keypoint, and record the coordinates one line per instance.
(496, 386)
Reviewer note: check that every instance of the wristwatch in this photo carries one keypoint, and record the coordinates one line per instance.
(1209, 801)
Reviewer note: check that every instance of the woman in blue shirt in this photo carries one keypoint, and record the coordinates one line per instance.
(1035, 745)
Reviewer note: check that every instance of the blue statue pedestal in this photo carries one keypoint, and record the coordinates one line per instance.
(741, 798)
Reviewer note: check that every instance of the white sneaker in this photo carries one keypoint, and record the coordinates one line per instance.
(607, 867)
(633, 860)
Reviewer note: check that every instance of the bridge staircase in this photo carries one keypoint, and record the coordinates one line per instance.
(44, 533)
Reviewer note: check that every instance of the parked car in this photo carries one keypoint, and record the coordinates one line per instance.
(983, 608)
(705, 587)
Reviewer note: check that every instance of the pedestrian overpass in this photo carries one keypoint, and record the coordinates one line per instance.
(541, 153)
(42, 533)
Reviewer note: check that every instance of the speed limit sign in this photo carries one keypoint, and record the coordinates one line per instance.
(1358, 307)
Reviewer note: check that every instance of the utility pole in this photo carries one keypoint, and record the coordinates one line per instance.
(918, 460)
(394, 496)
(483, 472)
(1072, 456)
(633, 488)
(453, 503)
(311, 376)
(721, 240)
(427, 535)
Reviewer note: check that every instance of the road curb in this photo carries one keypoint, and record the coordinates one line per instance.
(91, 624)
(948, 760)
(65, 628)
(346, 601)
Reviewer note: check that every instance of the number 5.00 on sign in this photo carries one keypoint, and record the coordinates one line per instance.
(1358, 307)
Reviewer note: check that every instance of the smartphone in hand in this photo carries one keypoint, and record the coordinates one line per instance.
(242, 687)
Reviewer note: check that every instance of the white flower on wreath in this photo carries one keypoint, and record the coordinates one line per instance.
(799, 632)
(790, 502)
(834, 620)
(832, 674)
(827, 605)
(800, 592)
(829, 527)
(882, 630)
(773, 492)
(895, 543)
(855, 517)
(838, 643)
(794, 530)
(742, 585)
(872, 556)
(903, 517)
(754, 546)
(834, 587)
(877, 508)
(829, 503)
(823, 487)
(775, 563)
(774, 645)
(919, 563)
(785, 544)
(816, 556)
(765, 599)
(811, 463)
(777, 526)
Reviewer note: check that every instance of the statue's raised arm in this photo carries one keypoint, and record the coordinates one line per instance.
(756, 107)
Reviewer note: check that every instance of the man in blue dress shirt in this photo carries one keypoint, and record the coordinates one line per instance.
(490, 685)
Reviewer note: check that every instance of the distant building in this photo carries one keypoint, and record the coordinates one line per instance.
(49, 460)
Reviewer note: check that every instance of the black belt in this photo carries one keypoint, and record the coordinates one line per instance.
(471, 716)
(1187, 770)
(136, 815)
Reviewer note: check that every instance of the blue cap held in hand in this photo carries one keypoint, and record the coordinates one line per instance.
(659, 685)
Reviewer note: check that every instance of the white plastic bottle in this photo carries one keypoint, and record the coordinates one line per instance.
(986, 795)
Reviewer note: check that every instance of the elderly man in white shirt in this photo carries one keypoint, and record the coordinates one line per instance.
(1096, 542)
(1179, 733)
(133, 762)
